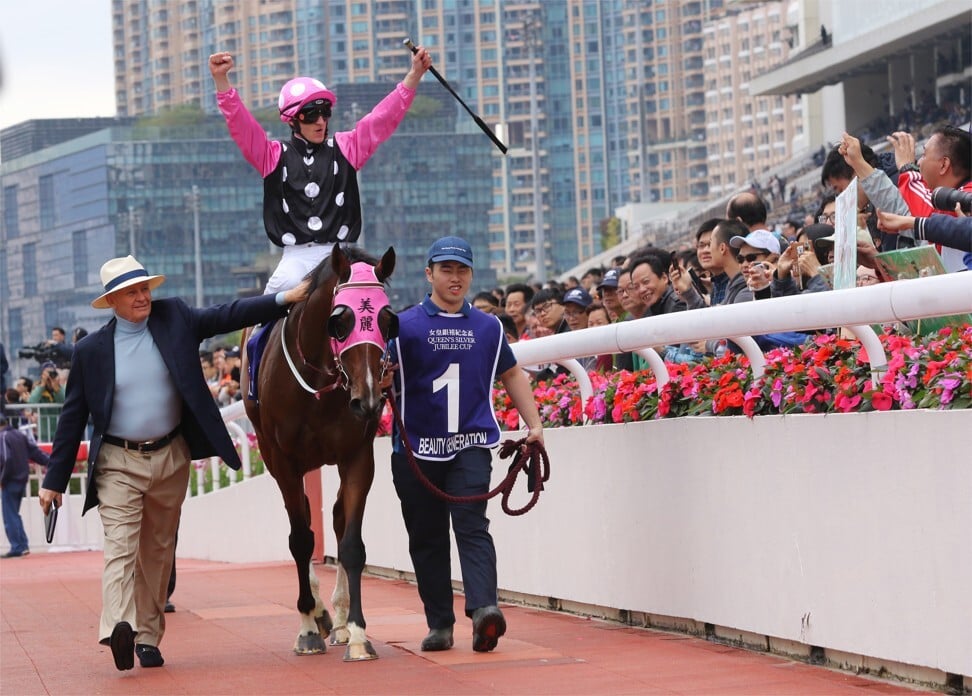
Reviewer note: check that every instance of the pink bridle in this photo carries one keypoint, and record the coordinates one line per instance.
(364, 295)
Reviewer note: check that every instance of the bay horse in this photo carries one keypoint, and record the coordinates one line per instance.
(318, 402)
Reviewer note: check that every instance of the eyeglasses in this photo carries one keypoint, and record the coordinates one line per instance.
(313, 111)
(827, 219)
(748, 258)
(544, 308)
(867, 279)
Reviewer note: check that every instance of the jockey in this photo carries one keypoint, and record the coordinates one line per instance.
(310, 186)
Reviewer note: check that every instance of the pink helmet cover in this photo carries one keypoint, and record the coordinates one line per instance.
(298, 92)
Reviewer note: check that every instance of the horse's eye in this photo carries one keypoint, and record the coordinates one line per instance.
(388, 322)
(340, 323)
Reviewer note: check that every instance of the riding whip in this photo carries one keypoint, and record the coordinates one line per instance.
(479, 122)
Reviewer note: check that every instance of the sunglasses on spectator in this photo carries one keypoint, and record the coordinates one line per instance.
(748, 258)
(827, 219)
(313, 111)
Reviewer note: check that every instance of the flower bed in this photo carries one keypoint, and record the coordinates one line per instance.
(826, 375)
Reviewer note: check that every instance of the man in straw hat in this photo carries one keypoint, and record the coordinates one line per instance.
(139, 379)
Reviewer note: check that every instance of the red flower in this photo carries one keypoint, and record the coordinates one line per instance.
(881, 401)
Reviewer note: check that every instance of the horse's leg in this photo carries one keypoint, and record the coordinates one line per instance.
(309, 640)
(356, 478)
(340, 598)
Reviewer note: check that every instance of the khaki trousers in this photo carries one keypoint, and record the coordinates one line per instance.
(140, 500)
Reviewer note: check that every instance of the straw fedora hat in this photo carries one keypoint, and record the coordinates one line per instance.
(120, 273)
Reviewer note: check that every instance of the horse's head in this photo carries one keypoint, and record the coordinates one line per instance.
(360, 326)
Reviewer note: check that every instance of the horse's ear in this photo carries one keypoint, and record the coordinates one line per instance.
(340, 263)
(386, 266)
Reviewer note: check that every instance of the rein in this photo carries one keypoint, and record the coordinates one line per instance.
(337, 347)
(527, 457)
(341, 380)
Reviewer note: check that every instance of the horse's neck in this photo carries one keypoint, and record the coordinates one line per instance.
(307, 327)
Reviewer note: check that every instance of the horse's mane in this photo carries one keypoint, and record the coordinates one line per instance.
(323, 273)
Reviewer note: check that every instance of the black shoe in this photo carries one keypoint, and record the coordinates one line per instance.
(438, 639)
(122, 643)
(16, 554)
(149, 656)
(488, 626)
(169, 607)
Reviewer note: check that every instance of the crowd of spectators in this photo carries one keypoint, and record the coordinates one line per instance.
(741, 257)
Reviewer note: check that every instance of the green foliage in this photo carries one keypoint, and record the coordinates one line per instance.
(175, 116)
(610, 233)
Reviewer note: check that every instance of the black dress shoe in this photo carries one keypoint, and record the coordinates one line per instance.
(169, 607)
(122, 643)
(149, 656)
(488, 625)
(438, 639)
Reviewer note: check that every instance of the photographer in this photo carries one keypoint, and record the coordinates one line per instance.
(58, 348)
(947, 161)
(47, 391)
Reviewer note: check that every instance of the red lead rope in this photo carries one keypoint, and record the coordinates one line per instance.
(527, 457)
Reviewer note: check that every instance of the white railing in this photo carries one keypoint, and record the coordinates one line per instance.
(232, 415)
(855, 309)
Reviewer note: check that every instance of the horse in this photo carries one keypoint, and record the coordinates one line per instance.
(319, 400)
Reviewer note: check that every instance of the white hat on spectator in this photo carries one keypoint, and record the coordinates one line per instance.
(758, 239)
(120, 273)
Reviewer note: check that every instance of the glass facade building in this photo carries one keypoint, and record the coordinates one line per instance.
(69, 207)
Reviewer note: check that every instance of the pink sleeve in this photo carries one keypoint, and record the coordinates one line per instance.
(257, 148)
(372, 130)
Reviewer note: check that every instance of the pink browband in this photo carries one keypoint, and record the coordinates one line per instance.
(365, 296)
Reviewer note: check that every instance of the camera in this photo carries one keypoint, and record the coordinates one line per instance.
(42, 352)
(945, 198)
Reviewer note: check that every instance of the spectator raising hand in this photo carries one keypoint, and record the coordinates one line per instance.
(904, 148)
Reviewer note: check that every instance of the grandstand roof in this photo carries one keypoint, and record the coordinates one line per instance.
(811, 70)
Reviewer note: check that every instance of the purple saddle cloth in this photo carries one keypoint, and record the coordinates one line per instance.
(255, 346)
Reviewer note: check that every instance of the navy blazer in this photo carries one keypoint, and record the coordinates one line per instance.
(177, 330)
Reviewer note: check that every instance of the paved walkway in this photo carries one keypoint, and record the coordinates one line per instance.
(234, 627)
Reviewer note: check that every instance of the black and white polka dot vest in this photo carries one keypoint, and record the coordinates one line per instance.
(312, 196)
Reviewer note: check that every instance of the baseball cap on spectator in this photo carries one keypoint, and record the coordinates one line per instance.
(47, 365)
(610, 279)
(233, 352)
(578, 296)
(451, 249)
(758, 239)
(863, 237)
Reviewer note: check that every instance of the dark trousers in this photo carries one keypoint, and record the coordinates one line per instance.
(11, 496)
(427, 522)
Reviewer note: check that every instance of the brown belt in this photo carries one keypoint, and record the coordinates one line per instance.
(141, 447)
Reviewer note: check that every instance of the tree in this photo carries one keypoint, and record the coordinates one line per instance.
(610, 232)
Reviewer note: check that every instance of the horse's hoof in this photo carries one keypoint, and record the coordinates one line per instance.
(311, 644)
(340, 636)
(324, 624)
(359, 652)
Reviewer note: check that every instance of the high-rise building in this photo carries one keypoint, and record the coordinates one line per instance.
(601, 102)
(70, 206)
(746, 135)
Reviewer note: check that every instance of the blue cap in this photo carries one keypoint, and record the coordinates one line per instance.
(610, 279)
(578, 296)
(451, 249)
